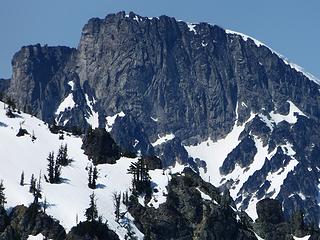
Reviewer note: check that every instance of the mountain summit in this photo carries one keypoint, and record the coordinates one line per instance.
(196, 95)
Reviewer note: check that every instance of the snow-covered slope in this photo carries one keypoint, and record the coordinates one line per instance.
(67, 201)
(215, 153)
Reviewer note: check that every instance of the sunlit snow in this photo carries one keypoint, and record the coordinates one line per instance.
(68, 200)
(163, 139)
(111, 119)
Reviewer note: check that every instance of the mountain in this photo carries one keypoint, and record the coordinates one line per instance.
(224, 104)
(181, 206)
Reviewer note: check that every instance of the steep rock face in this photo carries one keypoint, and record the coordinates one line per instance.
(37, 85)
(4, 85)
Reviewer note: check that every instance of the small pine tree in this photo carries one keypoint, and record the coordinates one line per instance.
(2, 196)
(32, 184)
(51, 167)
(22, 179)
(116, 204)
(92, 212)
(62, 157)
(90, 177)
(45, 205)
(57, 172)
(141, 180)
(94, 177)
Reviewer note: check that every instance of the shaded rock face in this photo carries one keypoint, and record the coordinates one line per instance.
(186, 215)
(99, 146)
(270, 211)
(24, 221)
(37, 85)
(271, 224)
(91, 231)
(4, 85)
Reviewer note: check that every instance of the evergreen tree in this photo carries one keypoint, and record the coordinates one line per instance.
(37, 191)
(94, 177)
(90, 177)
(54, 169)
(32, 184)
(62, 157)
(116, 204)
(57, 172)
(141, 179)
(22, 179)
(51, 168)
(45, 205)
(2, 196)
(92, 212)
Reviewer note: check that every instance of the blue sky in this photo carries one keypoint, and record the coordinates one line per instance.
(289, 27)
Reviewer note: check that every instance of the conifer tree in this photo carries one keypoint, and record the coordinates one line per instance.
(141, 179)
(116, 204)
(51, 167)
(37, 191)
(2, 196)
(94, 177)
(57, 172)
(54, 169)
(92, 212)
(90, 177)
(62, 157)
(32, 184)
(22, 179)
(45, 205)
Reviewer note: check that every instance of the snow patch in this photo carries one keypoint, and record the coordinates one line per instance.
(71, 84)
(204, 196)
(268, 122)
(66, 104)
(302, 238)
(258, 237)
(111, 119)
(93, 118)
(243, 104)
(290, 118)
(37, 237)
(161, 179)
(154, 119)
(192, 28)
(214, 153)
(204, 44)
(163, 139)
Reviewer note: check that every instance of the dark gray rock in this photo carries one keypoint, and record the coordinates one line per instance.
(4, 85)
(242, 155)
(99, 146)
(29, 221)
(91, 231)
(270, 211)
(186, 215)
